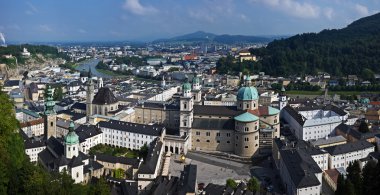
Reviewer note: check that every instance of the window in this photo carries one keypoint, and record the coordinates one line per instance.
(246, 139)
(184, 106)
(77, 174)
(246, 147)
(228, 142)
(217, 141)
(207, 133)
(228, 134)
(246, 129)
(207, 140)
(197, 140)
(217, 134)
(256, 137)
(51, 124)
(247, 105)
(184, 123)
(197, 133)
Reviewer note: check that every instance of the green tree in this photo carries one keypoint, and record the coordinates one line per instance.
(143, 151)
(349, 188)
(231, 183)
(253, 185)
(100, 188)
(369, 176)
(58, 94)
(118, 173)
(341, 185)
(355, 177)
(363, 127)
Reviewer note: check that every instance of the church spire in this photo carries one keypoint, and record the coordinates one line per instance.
(49, 102)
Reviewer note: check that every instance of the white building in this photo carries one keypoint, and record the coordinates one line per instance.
(129, 135)
(33, 127)
(312, 123)
(344, 154)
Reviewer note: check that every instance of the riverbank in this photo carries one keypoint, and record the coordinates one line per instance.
(110, 72)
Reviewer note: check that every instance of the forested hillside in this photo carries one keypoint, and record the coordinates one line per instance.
(350, 50)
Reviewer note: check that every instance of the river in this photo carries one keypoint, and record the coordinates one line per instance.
(84, 66)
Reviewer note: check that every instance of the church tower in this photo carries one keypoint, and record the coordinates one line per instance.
(50, 117)
(71, 143)
(197, 93)
(186, 111)
(283, 99)
(163, 83)
(247, 96)
(90, 96)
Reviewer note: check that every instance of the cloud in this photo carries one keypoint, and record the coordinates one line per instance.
(361, 10)
(201, 15)
(292, 7)
(135, 7)
(45, 28)
(244, 17)
(32, 9)
(329, 13)
(82, 31)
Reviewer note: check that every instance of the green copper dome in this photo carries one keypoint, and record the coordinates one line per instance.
(71, 137)
(186, 86)
(195, 79)
(247, 93)
(246, 117)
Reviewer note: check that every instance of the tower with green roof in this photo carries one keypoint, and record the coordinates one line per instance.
(50, 116)
(247, 96)
(71, 142)
(283, 100)
(89, 96)
(246, 134)
(197, 93)
(186, 111)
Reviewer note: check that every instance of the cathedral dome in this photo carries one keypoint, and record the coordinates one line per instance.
(71, 137)
(186, 86)
(247, 93)
(195, 79)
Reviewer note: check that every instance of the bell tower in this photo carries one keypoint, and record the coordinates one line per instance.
(186, 111)
(71, 143)
(283, 99)
(50, 116)
(197, 93)
(90, 96)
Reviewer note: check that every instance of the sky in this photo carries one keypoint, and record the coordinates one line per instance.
(146, 20)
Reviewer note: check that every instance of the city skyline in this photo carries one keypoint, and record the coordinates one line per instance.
(144, 20)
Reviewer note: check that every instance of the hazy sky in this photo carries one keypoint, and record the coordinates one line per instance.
(108, 20)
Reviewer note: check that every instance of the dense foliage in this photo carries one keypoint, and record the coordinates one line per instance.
(360, 182)
(15, 50)
(302, 86)
(134, 61)
(229, 65)
(351, 50)
(19, 176)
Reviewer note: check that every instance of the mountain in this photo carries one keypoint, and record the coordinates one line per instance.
(354, 49)
(201, 36)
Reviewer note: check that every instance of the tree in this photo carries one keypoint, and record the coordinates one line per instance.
(143, 151)
(58, 94)
(253, 185)
(118, 173)
(100, 188)
(231, 183)
(363, 127)
(341, 185)
(354, 176)
(369, 176)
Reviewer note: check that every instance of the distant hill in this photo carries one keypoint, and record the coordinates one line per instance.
(201, 36)
(354, 49)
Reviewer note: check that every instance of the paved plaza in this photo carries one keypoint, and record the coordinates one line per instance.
(211, 169)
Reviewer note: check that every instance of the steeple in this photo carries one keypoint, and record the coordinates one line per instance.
(89, 73)
(71, 142)
(186, 89)
(49, 102)
(247, 81)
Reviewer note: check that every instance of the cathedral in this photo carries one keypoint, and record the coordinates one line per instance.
(245, 129)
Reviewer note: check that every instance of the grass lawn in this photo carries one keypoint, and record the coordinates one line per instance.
(110, 72)
(293, 92)
(103, 149)
(146, 79)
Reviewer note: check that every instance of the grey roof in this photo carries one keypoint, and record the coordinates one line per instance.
(116, 159)
(87, 131)
(104, 96)
(153, 130)
(74, 116)
(348, 147)
(301, 168)
(10, 83)
(349, 130)
(295, 115)
(214, 189)
(329, 140)
(149, 165)
(216, 110)
(79, 106)
(213, 124)
(189, 177)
